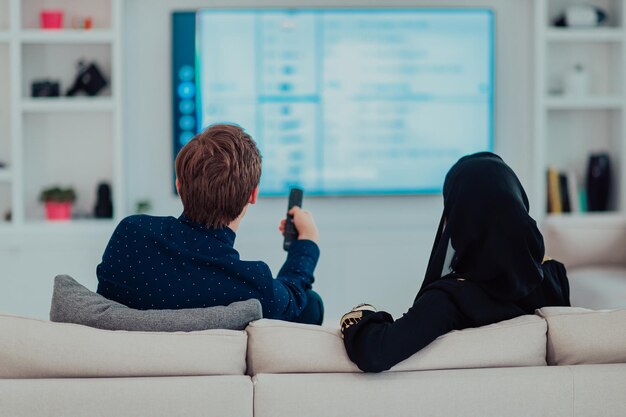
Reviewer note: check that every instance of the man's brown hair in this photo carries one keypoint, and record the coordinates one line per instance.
(217, 171)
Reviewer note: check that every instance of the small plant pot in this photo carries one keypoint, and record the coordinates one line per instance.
(52, 19)
(56, 211)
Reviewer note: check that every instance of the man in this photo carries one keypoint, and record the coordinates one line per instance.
(190, 262)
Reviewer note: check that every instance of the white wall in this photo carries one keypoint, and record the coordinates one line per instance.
(373, 249)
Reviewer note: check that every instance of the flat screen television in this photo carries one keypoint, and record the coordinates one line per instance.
(340, 101)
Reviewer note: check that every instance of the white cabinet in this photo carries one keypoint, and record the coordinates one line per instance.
(569, 127)
(67, 141)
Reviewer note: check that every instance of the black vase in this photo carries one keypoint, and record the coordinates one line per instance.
(104, 204)
(598, 182)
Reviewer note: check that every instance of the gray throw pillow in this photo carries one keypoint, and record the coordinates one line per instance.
(73, 303)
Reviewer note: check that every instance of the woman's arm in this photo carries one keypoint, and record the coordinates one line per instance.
(376, 342)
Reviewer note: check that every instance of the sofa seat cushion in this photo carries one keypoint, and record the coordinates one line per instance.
(198, 396)
(511, 392)
(283, 347)
(32, 348)
(581, 336)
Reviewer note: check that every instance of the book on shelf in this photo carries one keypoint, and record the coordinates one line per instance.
(563, 192)
(573, 191)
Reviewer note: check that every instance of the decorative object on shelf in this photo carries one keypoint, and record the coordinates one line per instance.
(84, 23)
(576, 82)
(563, 193)
(51, 19)
(8, 216)
(58, 202)
(3, 164)
(581, 15)
(104, 204)
(89, 80)
(598, 182)
(555, 205)
(573, 192)
(143, 206)
(45, 88)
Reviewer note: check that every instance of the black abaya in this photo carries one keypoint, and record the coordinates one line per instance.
(495, 273)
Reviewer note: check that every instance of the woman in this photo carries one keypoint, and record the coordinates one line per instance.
(487, 265)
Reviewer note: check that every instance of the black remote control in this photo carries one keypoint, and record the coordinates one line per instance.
(291, 233)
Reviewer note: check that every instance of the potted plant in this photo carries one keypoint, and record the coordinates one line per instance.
(58, 202)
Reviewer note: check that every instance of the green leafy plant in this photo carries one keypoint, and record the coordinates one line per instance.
(143, 206)
(58, 195)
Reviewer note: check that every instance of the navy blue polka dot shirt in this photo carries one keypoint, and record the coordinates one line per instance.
(169, 263)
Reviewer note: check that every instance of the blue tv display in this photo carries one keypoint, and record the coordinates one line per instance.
(340, 101)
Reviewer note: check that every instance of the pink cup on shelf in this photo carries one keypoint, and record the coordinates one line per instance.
(52, 19)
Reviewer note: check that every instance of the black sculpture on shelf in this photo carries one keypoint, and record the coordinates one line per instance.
(104, 203)
(598, 182)
(89, 80)
(45, 88)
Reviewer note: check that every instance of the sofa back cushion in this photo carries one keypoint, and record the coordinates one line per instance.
(588, 241)
(32, 348)
(581, 336)
(283, 347)
(73, 303)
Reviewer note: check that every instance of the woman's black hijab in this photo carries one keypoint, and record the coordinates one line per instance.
(485, 218)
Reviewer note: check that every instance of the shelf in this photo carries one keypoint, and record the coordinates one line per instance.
(67, 104)
(4, 36)
(5, 175)
(6, 226)
(586, 35)
(106, 226)
(584, 103)
(609, 219)
(45, 233)
(66, 36)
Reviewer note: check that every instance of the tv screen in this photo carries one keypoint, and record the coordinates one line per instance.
(340, 101)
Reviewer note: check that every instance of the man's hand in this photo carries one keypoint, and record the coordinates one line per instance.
(305, 225)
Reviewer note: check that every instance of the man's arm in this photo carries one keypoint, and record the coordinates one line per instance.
(296, 275)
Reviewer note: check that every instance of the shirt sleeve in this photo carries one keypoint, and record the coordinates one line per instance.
(293, 280)
(377, 342)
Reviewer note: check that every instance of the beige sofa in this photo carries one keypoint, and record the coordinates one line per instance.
(560, 362)
(593, 249)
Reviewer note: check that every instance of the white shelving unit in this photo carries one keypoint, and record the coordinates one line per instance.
(67, 36)
(568, 129)
(5, 175)
(587, 103)
(584, 35)
(62, 104)
(65, 141)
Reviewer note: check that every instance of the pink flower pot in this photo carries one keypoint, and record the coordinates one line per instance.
(58, 211)
(52, 19)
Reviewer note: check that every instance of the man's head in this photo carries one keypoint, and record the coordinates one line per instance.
(218, 174)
